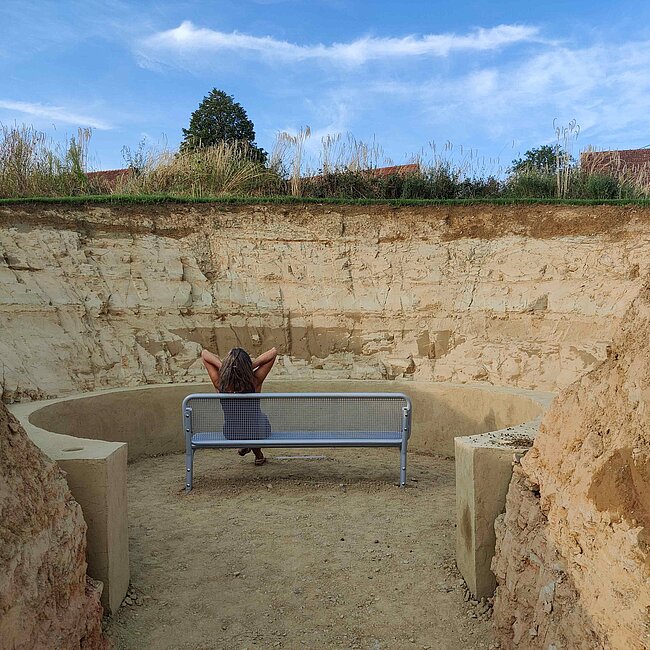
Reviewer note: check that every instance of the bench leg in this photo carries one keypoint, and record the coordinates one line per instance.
(189, 467)
(402, 460)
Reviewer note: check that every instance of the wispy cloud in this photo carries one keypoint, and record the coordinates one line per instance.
(188, 39)
(55, 114)
(499, 110)
(605, 86)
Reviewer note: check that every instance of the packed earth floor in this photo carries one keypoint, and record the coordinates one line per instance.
(315, 549)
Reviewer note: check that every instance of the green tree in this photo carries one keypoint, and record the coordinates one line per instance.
(545, 159)
(220, 118)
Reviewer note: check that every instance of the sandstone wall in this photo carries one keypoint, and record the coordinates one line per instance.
(46, 599)
(94, 296)
(577, 522)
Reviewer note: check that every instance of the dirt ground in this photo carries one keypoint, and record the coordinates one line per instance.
(315, 549)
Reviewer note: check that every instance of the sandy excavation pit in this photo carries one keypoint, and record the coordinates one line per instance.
(543, 297)
(86, 434)
(299, 553)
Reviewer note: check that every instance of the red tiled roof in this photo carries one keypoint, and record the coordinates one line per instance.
(400, 170)
(110, 177)
(395, 169)
(615, 160)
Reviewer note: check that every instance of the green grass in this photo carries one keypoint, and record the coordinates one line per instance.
(127, 199)
(33, 169)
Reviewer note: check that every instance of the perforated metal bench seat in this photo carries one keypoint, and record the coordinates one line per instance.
(216, 420)
(300, 439)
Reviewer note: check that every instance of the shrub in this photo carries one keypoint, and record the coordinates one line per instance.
(443, 182)
(537, 185)
(339, 184)
(480, 188)
(416, 186)
(601, 186)
(392, 186)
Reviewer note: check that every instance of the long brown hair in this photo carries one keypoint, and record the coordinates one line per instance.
(236, 374)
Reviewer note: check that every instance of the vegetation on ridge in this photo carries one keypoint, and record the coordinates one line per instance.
(220, 119)
(31, 165)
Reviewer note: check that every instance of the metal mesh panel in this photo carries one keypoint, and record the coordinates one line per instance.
(285, 417)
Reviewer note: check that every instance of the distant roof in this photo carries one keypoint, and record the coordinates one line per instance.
(110, 177)
(615, 160)
(395, 169)
(399, 170)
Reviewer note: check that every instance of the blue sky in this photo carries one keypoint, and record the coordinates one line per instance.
(487, 79)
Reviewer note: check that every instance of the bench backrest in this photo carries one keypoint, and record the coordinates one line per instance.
(295, 416)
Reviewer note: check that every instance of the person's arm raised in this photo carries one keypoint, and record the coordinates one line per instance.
(266, 357)
(263, 364)
(212, 364)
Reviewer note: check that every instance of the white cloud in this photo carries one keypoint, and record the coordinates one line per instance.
(494, 101)
(500, 110)
(188, 39)
(605, 86)
(55, 114)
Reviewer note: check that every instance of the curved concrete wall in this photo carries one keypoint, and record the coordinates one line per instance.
(149, 419)
(86, 435)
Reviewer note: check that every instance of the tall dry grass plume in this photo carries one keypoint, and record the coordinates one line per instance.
(32, 164)
(291, 148)
(225, 168)
(566, 136)
(347, 154)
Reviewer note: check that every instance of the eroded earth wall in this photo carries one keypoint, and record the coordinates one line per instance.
(98, 295)
(46, 599)
(573, 549)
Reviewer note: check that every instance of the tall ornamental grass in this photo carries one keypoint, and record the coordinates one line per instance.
(339, 167)
(226, 168)
(31, 164)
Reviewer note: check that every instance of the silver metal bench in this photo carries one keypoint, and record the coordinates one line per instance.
(216, 420)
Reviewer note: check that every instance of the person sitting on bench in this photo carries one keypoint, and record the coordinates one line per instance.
(237, 373)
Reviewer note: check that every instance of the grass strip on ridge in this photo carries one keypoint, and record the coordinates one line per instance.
(125, 199)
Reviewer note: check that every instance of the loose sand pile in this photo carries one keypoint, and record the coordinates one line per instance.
(299, 553)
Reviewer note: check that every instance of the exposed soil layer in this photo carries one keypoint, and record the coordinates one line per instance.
(323, 551)
(95, 296)
(456, 221)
